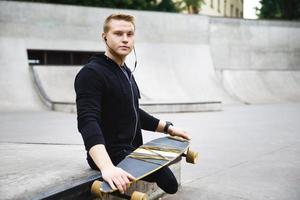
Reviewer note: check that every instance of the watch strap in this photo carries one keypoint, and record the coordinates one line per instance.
(166, 128)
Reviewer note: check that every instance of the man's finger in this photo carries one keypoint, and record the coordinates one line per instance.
(123, 183)
(130, 176)
(111, 184)
(126, 180)
(187, 136)
(118, 184)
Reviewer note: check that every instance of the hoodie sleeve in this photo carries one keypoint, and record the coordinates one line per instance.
(89, 90)
(148, 122)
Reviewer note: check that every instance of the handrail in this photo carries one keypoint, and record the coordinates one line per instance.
(44, 97)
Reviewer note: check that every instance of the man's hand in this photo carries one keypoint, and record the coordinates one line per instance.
(114, 176)
(173, 131)
(117, 178)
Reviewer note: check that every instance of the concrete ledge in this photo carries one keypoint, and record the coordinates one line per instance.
(171, 107)
(155, 107)
(83, 190)
(37, 171)
(26, 173)
(151, 189)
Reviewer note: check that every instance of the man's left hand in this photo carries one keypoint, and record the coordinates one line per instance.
(173, 131)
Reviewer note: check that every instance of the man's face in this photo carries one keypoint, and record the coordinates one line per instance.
(120, 37)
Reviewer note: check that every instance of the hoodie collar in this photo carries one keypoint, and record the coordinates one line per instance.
(102, 58)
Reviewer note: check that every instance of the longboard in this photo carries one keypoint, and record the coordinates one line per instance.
(147, 159)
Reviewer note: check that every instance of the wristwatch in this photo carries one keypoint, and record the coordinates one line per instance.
(168, 124)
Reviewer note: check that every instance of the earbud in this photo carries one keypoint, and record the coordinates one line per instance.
(105, 39)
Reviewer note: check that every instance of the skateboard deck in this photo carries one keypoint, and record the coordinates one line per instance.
(149, 158)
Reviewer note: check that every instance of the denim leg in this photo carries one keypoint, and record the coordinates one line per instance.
(165, 179)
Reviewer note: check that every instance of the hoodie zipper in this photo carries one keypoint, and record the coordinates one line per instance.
(133, 102)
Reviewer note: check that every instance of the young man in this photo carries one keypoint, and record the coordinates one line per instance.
(108, 113)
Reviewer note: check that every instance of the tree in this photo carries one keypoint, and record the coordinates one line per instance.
(279, 9)
(193, 6)
(167, 6)
(163, 5)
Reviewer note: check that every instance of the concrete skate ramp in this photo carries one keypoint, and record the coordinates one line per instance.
(162, 78)
(263, 86)
(16, 85)
(160, 75)
(57, 82)
(177, 73)
(181, 58)
(162, 55)
(258, 60)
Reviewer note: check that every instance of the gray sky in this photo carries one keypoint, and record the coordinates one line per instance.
(249, 11)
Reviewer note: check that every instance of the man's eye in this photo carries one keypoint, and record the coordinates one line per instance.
(118, 34)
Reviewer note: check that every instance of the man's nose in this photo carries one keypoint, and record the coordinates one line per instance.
(125, 38)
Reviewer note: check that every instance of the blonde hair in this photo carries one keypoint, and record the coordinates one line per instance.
(118, 16)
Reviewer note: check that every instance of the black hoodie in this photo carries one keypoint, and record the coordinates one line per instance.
(108, 112)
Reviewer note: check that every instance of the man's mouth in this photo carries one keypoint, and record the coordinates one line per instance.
(124, 47)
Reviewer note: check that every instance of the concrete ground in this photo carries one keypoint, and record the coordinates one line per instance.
(246, 152)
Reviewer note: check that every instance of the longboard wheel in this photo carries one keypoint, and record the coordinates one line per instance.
(95, 189)
(139, 196)
(191, 156)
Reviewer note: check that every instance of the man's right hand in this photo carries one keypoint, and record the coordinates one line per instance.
(117, 178)
(114, 176)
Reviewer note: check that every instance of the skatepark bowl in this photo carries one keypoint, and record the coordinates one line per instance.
(232, 84)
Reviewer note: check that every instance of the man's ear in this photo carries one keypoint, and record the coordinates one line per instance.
(104, 37)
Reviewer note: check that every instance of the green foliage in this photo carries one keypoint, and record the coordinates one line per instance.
(279, 9)
(164, 5)
(193, 6)
(167, 6)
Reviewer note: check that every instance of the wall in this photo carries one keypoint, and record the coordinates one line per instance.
(181, 58)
